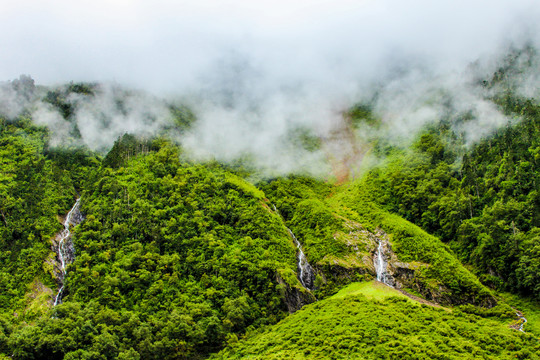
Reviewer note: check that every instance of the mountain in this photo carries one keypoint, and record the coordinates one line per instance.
(428, 248)
(372, 321)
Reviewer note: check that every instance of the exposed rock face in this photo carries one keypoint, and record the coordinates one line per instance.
(341, 272)
(63, 247)
(306, 274)
(408, 275)
(294, 297)
(368, 250)
(76, 218)
(357, 265)
(394, 267)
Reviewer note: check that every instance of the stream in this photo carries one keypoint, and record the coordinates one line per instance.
(523, 321)
(306, 275)
(381, 265)
(65, 250)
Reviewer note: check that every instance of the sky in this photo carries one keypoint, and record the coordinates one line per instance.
(168, 45)
(255, 70)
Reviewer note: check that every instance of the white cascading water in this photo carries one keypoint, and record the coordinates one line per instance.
(307, 275)
(523, 321)
(65, 248)
(380, 265)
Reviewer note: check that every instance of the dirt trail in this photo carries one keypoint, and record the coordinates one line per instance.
(420, 300)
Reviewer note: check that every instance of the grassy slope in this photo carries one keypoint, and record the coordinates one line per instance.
(335, 225)
(412, 244)
(373, 290)
(367, 321)
(529, 308)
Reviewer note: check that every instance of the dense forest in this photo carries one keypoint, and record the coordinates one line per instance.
(182, 259)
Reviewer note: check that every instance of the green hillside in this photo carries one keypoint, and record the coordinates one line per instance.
(340, 229)
(177, 258)
(372, 321)
(173, 250)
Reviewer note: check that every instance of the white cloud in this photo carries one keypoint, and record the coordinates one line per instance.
(165, 45)
(254, 70)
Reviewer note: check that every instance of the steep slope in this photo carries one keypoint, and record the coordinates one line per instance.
(341, 229)
(481, 200)
(171, 260)
(373, 321)
(34, 190)
(177, 259)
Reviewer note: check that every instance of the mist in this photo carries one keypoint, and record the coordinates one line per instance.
(254, 73)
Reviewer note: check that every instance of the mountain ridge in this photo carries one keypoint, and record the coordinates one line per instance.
(186, 258)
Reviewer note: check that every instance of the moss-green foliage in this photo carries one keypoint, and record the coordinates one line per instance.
(301, 202)
(481, 198)
(92, 331)
(127, 147)
(412, 244)
(34, 190)
(321, 215)
(353, 326)
(315, 223)
(371, 290)
(484, 203)
(176, 260)
(286, 193)
(191, 251)
(186, 254)
(75, 161)
(529, 308)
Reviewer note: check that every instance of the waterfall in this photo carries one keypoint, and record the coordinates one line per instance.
(380, 265)
(523, 321)
(66, 252)
(306, 273)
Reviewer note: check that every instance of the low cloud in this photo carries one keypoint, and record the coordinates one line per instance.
(254, 73)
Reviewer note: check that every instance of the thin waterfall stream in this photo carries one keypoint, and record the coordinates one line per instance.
(65, 250)
(381, 265)
(306, 274)
(523, 321)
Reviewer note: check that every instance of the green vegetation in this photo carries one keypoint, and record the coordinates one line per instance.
(372, 290)
(366, 321)
(335, 223)
(184, 260)
(530, 309)
(484, 205)
(33, 191)
(177, 250)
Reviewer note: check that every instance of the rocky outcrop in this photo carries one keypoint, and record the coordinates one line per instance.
(402, 275)
(397, 273)
(294, 297)
(361, 260)
(69, 252)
